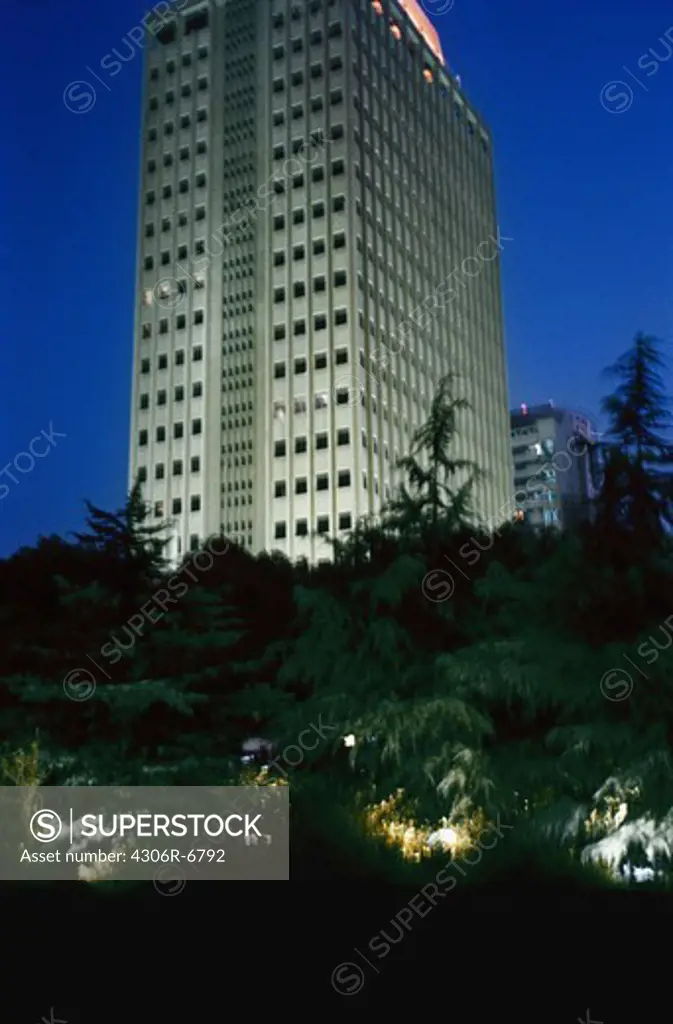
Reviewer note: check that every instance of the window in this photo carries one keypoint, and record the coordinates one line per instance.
(196, 426)
(299, 289)
(161, 397)
(299, 252)
(142, 475)
(316, 70)
(198, 316)
(321, 400)
(195, 465)
(345, 521)
(337, 132)
(147, 331)
(158, 509)
(316, 104)
(297, 112)
(165, 258)
(279, 258)
(181, 321)
(185, 121)
(201, 180)
(340, 240)
(142, 438)
(201, 115)
(279, 371)
(319, 284)
(202, 84)
(163, 362)
(299, 406)
(341, 356)
(177, 506)
(180, 357)
(177, 467)
(340, 317)
(195, 503)
(161, 434)
(178, 431)
(321, 441)
(339, 278)
(149, 263)
(343, 437)
(300, 445)
(279, 118)
(280, 489)
(278, 85)
(298, 78)
(323, 524)
(301, 528)
(344, 478)
(279, 449)
(179, 393)
(278, 222)
(144, 401)
(186, 90)
(301, 485)
(279, 332)
(320, 322)
(339, 204)
(300, 365)
(280, 531)
(197, 389)
(149, 230)
(321, 361)
(182, 252)
(342, 396)
(322, 482)
(318, 174)
(299, 328)
(193, 542)
(200, 213)
(298, 216)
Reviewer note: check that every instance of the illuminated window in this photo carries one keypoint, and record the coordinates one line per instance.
(427, 75)
(378, 7)
(396, 30)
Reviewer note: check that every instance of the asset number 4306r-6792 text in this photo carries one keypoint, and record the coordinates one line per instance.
(210, 856)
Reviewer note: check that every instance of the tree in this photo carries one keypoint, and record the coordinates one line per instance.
(637, 480)
(431, 493)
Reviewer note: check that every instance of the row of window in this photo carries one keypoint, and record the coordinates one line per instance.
(186, 61)
(320, 363)
(317, 175)
(296, 13)
(321, 483)
(297, 111)
(184, 122)
(322, 526)
(162, 360)
(185, 92)
(178, 432)
(184, 153)
(301, 444)
(299, 326)
(179, 395)
(194, 465)
(183, 187)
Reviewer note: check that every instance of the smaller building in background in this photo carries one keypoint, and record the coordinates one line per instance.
(552, 456)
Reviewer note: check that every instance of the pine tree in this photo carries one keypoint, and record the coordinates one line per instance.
(637, 490)
(125, 541)
(431, 495)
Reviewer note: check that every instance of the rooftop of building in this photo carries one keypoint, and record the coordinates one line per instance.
(423, 26)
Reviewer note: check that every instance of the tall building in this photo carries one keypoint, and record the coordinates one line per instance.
(551, 452)
(318, 245)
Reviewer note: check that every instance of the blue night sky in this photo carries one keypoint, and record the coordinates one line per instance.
(585, 192)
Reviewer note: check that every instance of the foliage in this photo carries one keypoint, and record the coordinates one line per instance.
(491, 702)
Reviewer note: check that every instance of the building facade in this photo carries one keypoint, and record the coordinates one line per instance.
(318, 245)
(551, 453)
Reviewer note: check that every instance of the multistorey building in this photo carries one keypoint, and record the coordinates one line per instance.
(318, 246)
(552, 461)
